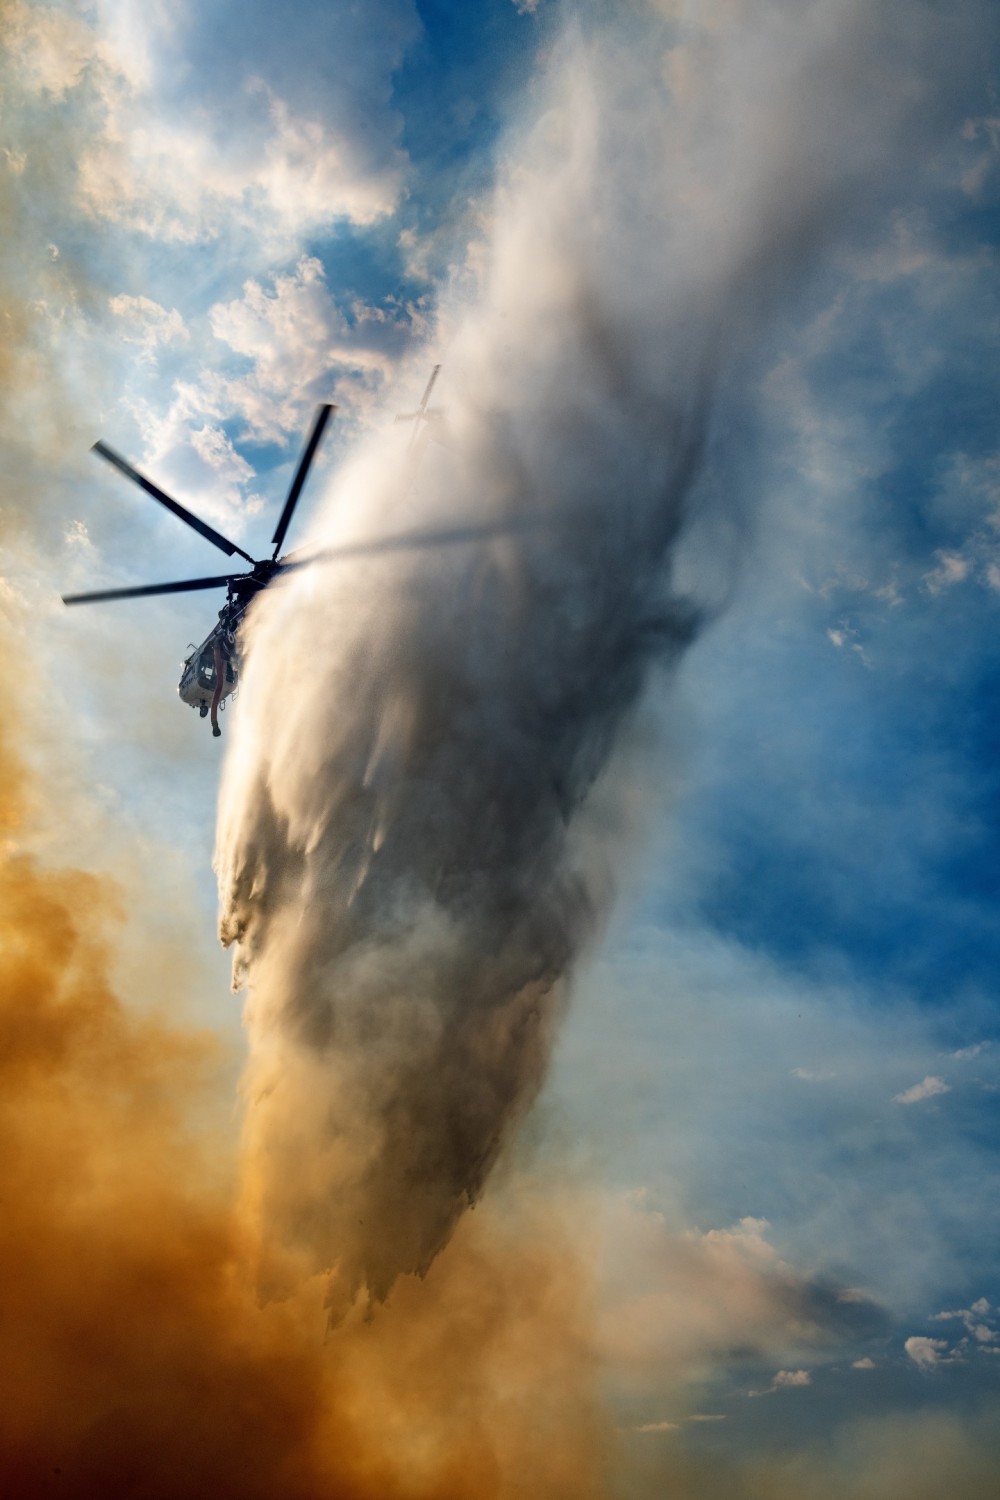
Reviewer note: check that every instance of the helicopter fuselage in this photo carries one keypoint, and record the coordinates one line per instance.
(211, 673)
(199, 674)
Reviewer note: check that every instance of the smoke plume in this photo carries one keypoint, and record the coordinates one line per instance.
(134, 1356)
(419, 817)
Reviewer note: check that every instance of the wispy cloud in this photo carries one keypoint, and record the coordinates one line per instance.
(302, 346)
(927, 1089)
(977, 1320)
(952, 568)
(845, 636)
(146, 323)
(785, 1380)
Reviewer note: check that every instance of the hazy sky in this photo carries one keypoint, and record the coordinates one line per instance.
(769, 1134)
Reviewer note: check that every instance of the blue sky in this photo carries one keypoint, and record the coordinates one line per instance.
(777, 1083)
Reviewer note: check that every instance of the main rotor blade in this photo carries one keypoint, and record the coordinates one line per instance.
(322, 417)
(421, 413)
(185, 586)
(406, 541)
(208, 532)
(430, 386)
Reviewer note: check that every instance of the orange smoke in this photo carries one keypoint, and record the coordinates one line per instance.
(134, 1359)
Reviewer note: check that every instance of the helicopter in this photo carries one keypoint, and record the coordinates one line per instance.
(210, 673)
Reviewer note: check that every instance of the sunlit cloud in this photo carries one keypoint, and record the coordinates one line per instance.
(152, 169)
(299, 340)
(929, 1088)
(926, 1353)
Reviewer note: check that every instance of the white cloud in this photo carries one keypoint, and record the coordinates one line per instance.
(952, 568)
(890, 594)
(52, 47)
(863, 1364)
(658, 1427)
(251, 165)
(925, 1352)
(791, 1378)
(148, 324)
(974, 1319)
(784, 1380)
(186, 450)
(290, 346)
(927, 1089)
(973, 1051)
(171, 180)
(230, 468)
(299, 341)
(845, 636)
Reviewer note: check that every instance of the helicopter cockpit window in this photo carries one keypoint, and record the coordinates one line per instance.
(206, 671)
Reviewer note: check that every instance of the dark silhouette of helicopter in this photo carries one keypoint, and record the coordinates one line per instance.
(210, 674)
